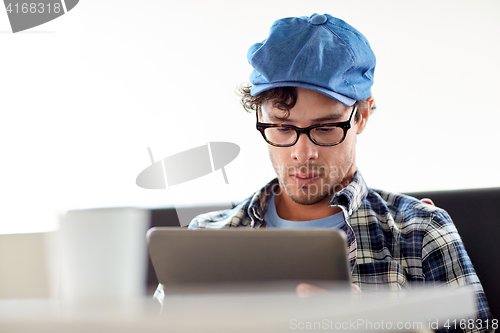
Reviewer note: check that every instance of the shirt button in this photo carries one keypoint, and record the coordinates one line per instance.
(319, 19)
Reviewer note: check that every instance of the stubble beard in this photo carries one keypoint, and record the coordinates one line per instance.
(330, 180)
(308, 194)
(305, 197)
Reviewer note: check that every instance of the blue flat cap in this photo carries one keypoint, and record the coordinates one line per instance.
(321, 52)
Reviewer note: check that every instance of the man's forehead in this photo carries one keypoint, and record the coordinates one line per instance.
(332, 113)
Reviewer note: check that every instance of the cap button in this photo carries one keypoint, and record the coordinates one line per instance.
(319, 19)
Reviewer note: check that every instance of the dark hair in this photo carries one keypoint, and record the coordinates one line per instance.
(284, 98)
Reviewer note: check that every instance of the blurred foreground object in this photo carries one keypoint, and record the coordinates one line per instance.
(103, 254)
(258, 312)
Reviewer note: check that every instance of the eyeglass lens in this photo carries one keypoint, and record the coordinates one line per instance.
(322, 135)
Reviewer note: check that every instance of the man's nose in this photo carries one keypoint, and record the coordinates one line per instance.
(304, 150)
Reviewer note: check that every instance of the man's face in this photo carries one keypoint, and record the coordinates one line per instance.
(309, 173)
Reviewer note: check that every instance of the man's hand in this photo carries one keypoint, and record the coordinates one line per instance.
(306, 289)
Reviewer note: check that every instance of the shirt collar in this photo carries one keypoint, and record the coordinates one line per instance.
(260, 201)
(351, 196)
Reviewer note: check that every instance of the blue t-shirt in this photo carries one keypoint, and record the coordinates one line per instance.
(274, 221)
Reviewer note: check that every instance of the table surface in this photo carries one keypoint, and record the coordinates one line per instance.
(242, 312)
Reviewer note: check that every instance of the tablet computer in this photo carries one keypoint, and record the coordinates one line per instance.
(185, 260)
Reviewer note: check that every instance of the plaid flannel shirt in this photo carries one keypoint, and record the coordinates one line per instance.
(393, 240)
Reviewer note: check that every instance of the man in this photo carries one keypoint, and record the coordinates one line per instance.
(311, 91)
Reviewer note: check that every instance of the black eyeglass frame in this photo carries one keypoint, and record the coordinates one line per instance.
(345, 125)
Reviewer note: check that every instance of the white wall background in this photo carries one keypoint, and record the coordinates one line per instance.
(83, 96)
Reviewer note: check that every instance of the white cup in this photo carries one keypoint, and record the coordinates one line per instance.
(103, 254)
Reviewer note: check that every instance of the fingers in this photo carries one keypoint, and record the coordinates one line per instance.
(356, 289)
(307, 290)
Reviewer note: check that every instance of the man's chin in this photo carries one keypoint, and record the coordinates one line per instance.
(303, 197)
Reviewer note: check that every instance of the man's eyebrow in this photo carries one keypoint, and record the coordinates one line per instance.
(328, 118)
(275, 118)
(334, 117)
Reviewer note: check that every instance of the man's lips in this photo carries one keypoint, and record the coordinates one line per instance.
(304, 176)
(304, 179)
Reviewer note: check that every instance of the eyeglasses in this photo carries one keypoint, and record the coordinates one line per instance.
(280, 135)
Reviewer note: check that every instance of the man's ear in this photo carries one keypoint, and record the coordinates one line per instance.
(364, 114)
